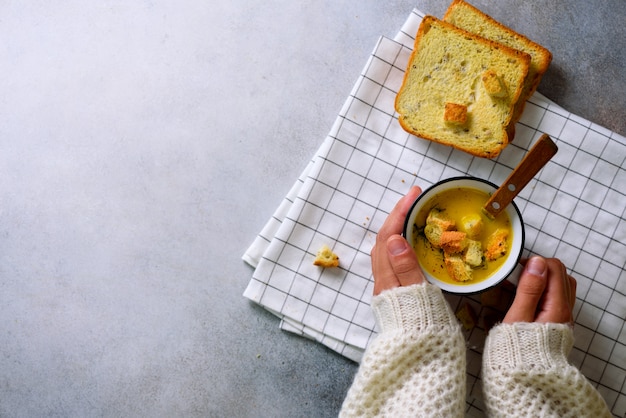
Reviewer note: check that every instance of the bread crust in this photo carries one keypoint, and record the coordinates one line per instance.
(499, 136)
(455, 113)
(545, 56)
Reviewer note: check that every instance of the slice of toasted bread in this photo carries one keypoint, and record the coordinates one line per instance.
(467, 17)
(446, 66)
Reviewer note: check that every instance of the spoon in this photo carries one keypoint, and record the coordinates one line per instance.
(540, 153)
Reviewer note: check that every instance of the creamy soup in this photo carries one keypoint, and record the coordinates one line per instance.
(457, 204)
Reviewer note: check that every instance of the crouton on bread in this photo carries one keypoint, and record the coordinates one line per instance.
(469, 18)
(326, 258)
(455, 113)
(492, 84)
(445, 67)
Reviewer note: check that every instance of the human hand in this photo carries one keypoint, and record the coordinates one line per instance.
(393, 260)
(545, 293)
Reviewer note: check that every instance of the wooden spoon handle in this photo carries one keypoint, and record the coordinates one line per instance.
(533, 161)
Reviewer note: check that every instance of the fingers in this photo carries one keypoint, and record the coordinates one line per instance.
(394, 264)
(532, 283)
(384, 277)
(395, 221)
(570, 285)
(573, 287)
(404, 261)
(559, 296)
(384, 272)
(545, 293)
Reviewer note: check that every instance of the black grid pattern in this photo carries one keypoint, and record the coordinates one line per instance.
(573, 209)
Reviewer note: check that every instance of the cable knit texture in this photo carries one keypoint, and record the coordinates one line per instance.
(526, 374)
(416, 365)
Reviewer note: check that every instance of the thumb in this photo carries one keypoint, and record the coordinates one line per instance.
(530, 288)
(404, 261)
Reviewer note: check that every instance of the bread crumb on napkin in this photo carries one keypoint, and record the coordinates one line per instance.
(326, 257)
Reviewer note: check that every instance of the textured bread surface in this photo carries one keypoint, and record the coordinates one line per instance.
(474, 253)
(326, 257)
(497, 244)
(467, 17)
(457, 268)
(440, 219)
(453, 241)
(447, 66)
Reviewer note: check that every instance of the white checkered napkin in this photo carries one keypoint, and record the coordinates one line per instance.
(341, 199)
(573, 209)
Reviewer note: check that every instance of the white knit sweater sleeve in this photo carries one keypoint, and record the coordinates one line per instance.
(526, 374)
(416, 365)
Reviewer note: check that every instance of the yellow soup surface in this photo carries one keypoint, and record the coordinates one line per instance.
(455, 204)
